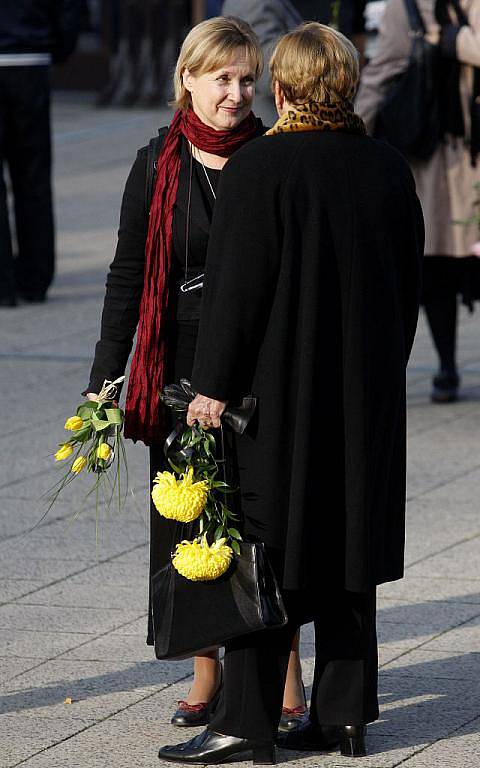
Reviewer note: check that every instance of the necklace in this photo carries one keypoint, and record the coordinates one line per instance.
(206, 174)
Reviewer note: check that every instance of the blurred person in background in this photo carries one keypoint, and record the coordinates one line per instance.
(345, 15)
(34, 34)
(445, 183)
(155, 280)
(269, 19)
(150, 34)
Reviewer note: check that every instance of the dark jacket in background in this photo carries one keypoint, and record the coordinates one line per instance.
(350, 14)
(310, 302)
(39, 26)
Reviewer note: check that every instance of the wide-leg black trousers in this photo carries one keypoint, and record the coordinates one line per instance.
(344, 687)
(25, 147)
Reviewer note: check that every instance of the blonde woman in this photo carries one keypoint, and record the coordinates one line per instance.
(154, 285)
(311, 298)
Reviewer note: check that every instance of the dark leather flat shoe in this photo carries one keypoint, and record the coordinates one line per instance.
(210, 748)
(292, 718)
(445, 387)
(192, 715)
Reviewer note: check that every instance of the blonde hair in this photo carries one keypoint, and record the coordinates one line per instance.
(210, 45)
(315, 63)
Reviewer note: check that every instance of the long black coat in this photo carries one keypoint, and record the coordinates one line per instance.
(311, 302)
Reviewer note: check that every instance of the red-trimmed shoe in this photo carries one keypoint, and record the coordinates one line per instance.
(192, 715)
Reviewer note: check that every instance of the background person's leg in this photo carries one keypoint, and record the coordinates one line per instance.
(440, 288)
(7, 285)
(29, 160)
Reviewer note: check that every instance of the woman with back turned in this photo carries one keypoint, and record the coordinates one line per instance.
(311, 303)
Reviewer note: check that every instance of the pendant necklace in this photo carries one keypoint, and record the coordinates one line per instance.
(195, 283)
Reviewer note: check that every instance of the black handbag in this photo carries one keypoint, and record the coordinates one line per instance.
(409, 117)
(194, 616)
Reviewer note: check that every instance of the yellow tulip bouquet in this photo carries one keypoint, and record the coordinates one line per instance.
(96, 444)
(193, 491)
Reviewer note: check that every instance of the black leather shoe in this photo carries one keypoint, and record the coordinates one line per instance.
(310, 738)
(445, 387)
(326, 738)
(192, 715)
(210, 748)
(352, 740)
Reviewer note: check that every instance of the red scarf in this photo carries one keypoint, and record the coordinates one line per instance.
(145, 417)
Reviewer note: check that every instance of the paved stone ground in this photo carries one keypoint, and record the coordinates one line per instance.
(72, 620)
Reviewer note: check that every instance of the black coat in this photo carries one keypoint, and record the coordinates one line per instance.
(311, 302)
(40, 26)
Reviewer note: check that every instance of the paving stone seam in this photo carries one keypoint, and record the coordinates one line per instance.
(77, 573)
(444, 549)
(431, 638)
(74, 648)
(102, 720)
(436, 741)
(452, 479)
(444, 422)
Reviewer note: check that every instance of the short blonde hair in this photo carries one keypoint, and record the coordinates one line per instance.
(315, 63)
(210, 45)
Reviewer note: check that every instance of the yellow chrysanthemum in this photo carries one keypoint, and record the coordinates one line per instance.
(63, 452)
(74, 423)
(199, 561)
(181, 500)
(104, 451)
(79, 464)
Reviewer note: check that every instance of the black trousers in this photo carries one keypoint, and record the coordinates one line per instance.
(25, 148)
(345, 680)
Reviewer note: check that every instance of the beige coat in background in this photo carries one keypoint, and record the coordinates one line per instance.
(445, 182)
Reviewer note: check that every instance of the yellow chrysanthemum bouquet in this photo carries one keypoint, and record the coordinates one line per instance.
(95, 445)
(193, 492)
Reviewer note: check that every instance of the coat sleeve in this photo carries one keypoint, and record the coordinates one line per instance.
(124, 282)
(390, 60)
(240, 276)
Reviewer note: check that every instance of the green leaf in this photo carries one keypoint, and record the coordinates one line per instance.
(234, 533)
(219, 533)
(235, 546)
(114, 415)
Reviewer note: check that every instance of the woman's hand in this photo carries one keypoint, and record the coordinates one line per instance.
(92, 396)
(206, 411)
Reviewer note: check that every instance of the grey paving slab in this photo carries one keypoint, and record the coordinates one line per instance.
(429, 662)
(417, 588)
(461, 749)
(37, 644)
(459, 562)
(466, 639)
(116, 646)
(11, 589)
(63, 619)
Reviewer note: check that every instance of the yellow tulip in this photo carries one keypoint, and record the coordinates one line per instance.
(104, 451)
(79, 464)
(74, 423)
(63, 452)
(182, 500)
(199, 561)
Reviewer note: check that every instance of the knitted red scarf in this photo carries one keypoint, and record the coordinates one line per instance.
(145, 417)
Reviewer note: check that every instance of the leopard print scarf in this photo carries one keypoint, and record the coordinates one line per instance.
(319, 116)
